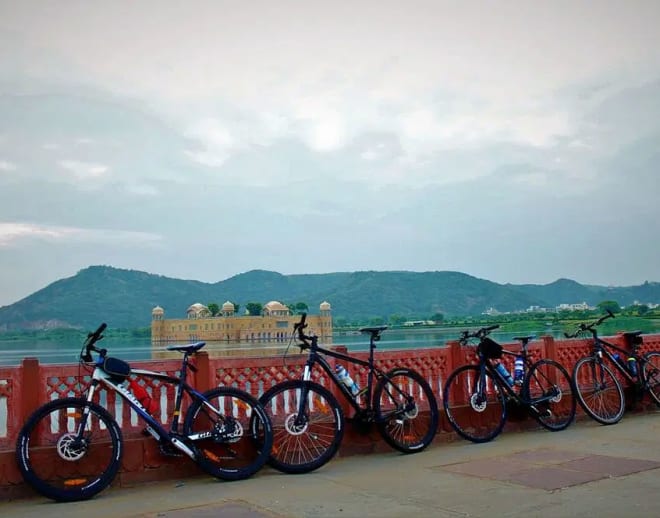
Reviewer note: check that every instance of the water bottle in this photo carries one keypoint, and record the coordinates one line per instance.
(505, 373)
(143, 397)
(346, 379)
(519, 370)
(632, 366)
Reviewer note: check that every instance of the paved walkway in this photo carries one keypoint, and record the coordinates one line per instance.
(587, 470)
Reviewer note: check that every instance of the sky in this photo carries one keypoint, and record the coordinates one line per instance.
(514, 141)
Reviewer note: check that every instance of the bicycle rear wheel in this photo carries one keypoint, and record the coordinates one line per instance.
(474, 404)
(651, 369)
(549, 390)
(598, 390)
(64, 459)
(303, 443)
(406, 410)
(233, 437)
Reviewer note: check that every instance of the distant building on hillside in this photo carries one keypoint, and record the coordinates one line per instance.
(274, 325)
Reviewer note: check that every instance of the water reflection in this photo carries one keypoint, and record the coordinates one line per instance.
(50, 351)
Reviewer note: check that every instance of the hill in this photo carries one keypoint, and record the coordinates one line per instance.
(125, 298)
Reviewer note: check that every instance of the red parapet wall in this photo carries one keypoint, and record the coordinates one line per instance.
(24, 388)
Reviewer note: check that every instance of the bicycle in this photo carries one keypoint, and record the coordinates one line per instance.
(71, 449)
(308, 423)
(597, 387)
(476, 397)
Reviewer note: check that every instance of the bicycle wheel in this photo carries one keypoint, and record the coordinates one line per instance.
(303, 443)
(549, 390)
(233, 437)
(598, 390)
(406, 410)
(651, 368)
(64, 459)
(474, 404)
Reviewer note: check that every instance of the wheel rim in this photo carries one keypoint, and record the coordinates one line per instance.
(598, 391)
(306, 443)
(62, 466)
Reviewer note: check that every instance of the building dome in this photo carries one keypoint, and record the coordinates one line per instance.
(198, 310)
(325, 306)
(157, 311)
(228, 306)
(274, 305)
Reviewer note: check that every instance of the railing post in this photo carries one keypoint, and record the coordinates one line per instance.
(457, 358)
(203, 380)
(550, 352)
(30, 388)
(550, 347)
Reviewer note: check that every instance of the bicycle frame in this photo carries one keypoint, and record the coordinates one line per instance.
(100, 377)
(600, 349)
(317, 355)
(487, 364)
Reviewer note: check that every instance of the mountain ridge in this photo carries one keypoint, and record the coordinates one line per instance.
(125, 298)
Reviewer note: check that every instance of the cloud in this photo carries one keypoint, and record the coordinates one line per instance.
(7, 166)
(12, 233)
(84, 170)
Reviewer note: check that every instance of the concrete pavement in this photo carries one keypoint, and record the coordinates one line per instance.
(586, 470)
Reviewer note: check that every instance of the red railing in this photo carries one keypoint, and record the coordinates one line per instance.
(26, 387)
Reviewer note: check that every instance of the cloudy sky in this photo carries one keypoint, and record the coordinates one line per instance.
(517, 141)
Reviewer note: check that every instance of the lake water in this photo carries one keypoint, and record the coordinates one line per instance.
(47, 351)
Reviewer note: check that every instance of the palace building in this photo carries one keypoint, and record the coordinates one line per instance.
(274, 325)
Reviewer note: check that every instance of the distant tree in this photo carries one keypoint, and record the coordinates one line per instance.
(236, 308)
(300, 307)
(397, 320)
(437, 317)
(254, 308)
(340, 322)
(376, 321)
(610, 305)
(643, 309)
(213, 308)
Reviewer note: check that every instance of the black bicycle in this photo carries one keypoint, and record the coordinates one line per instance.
(71, 449)
(308, 423)
(477, 397)
(597, 387)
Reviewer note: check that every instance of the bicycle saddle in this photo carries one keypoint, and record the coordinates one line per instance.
(188, 348)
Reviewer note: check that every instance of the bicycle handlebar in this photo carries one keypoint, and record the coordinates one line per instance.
(480, 333)
(590, 327)
(89, 346)
(299, 327)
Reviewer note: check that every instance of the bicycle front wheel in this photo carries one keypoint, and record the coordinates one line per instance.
(549, 391)
(651, 368)
(406, 410)
(232, 432)
(69, 449)
(474, 404)
(305, 442)
(598, 390)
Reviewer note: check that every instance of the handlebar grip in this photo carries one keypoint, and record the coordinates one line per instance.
(98, 332)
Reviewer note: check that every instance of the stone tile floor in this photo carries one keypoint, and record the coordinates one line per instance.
(550, 469)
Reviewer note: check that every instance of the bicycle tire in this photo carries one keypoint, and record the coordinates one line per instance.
(239, 438)
(607, 393)
(73, 478)
(414, 430)
(472, 417)
(651, 368)
(557, 413)
(323, 426)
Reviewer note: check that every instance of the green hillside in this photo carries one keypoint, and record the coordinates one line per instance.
(125, 298)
